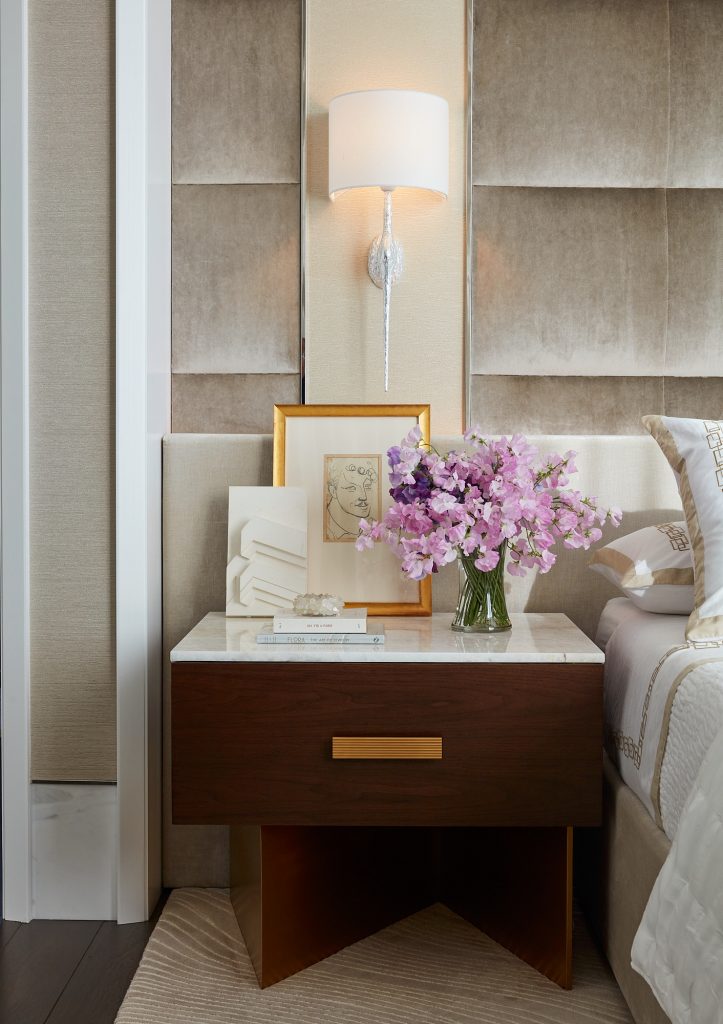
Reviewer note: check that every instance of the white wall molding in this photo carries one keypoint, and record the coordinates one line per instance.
(14, 485)
(143, 239)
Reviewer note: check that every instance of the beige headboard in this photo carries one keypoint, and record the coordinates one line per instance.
(197, 471)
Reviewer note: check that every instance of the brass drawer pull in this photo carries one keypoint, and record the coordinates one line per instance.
(387, 748)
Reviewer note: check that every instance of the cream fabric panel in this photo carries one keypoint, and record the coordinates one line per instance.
(409, 44)
(197, 471)
(71, 159)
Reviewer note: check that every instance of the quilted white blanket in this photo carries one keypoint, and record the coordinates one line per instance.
(678, 948)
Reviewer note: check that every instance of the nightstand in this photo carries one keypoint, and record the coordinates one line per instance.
(363, 783)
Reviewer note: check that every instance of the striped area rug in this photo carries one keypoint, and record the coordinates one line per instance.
(432, 968)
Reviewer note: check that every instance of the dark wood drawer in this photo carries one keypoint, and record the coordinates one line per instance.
(252, 743)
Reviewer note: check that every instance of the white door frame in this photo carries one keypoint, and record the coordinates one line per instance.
(143, 274)
(143, 364)
(14, 483)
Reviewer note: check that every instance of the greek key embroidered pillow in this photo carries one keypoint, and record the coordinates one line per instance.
(653, 567)
(694, 449)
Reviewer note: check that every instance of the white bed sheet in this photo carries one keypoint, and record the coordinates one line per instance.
(663, 705)
(678, 948)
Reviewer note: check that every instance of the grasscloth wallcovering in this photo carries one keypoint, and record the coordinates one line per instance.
(71, 246)
(236, 107)
(597, 213)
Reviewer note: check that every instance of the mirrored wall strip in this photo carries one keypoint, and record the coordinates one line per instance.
(468, 192)
(302, 212)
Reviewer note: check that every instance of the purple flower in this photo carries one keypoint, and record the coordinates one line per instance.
(471, 502)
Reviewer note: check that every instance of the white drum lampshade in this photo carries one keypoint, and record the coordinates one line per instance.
(388, 138)
(392, 138)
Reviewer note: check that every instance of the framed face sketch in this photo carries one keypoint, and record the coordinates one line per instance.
(351, 493)
(338, 454)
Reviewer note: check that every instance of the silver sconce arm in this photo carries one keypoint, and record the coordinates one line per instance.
(385, 268)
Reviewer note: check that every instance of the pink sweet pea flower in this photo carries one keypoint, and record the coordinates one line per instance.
(471, 502)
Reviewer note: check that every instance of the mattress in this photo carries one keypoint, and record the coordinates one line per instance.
(663, 705)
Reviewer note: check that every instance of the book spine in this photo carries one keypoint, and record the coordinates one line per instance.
(320, 627)
(328, 638)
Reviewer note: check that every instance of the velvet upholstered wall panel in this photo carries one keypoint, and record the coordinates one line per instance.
(597, 213)
(596, 161)
(72, 344)
(197, 472)
(236, 109)
(235, 279)
(570, 93)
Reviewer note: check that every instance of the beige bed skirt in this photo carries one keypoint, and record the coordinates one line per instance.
(616, 868)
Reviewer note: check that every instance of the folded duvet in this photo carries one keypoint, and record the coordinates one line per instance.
(663, 705)
(678, 948)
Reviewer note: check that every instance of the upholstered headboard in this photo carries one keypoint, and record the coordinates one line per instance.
(197, 471)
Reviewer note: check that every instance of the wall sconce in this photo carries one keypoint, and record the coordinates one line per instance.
(389, 138)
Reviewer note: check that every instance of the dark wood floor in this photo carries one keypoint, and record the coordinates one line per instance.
(68, 972)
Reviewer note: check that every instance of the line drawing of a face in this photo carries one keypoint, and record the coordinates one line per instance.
(351, 493)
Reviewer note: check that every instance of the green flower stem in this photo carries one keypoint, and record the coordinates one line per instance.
(482, 607)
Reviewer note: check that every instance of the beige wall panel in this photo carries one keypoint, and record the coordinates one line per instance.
(696, 93)
(197, 472)
(409, 44)
(564, 405)
(695, 397)
(569, 281)
(695, 321)
(229, 403)
(235, 278)
(71, 160)
(570, 92)
(236, 96)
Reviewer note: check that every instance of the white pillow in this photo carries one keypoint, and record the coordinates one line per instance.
(653, 567)
(694, 449)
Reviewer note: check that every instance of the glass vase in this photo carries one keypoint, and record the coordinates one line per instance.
(481, 606)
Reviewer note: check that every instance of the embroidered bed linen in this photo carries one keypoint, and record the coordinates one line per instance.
(653, 567)
(663, 705)
(678, 947)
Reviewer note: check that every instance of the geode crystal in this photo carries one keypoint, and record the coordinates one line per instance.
(318, 604)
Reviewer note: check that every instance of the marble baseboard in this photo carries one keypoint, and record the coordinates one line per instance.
(74, 851)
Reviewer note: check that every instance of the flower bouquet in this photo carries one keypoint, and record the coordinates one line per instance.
(499, 500)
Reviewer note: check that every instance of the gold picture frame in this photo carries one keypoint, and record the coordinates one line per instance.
(334, 451)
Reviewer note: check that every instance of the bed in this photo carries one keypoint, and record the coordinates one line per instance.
(663, 710)
(663, 705)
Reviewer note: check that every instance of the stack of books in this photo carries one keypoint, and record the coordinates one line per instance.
(350, 627)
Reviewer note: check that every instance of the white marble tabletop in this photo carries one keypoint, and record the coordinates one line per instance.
(538, 637)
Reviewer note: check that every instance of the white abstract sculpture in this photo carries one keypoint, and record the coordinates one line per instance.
(266, 566)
